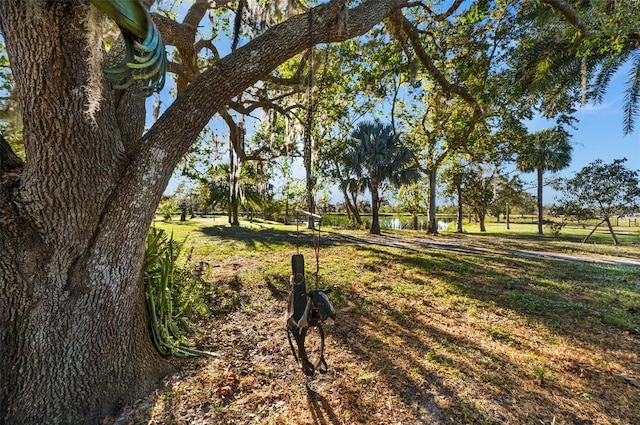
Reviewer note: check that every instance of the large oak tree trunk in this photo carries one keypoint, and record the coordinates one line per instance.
(74, 343)
(74, 217)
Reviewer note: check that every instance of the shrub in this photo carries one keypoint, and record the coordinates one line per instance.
(555, 228)
(170, 295)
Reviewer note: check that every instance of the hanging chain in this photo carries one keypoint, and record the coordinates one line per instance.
(317, 250)
(297, 234)
(309, 125)
(311, 109)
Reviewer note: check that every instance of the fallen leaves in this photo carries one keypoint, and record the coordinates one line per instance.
(228, 386)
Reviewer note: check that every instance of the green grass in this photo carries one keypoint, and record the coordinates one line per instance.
(463, 316)
(573, 233)
(548, 289)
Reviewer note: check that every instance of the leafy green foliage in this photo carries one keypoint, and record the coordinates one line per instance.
(412, 198)
(170, 295)
(555, 228)
(569, 50)
(167, 208)
(602, 191)
(478, 191)
(10, 111)
(547, 150)
(378, 158)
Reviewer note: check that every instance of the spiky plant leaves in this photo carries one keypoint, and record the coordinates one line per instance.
(166, 295)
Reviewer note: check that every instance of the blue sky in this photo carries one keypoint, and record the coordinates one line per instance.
(599, 133)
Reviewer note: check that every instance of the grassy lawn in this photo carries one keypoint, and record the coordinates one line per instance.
(430, 329)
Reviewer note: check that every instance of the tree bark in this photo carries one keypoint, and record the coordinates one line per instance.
(613, 234)
(74, 345)
(375, 210)
(352, 208)
(73, 336)
(540, 207)
(432, 227)
(234, 202)
(481, 217)
(459, 218)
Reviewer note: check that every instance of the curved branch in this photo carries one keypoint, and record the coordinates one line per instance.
(442, 16)
(208, 44)
(447, 87)
(180, 70)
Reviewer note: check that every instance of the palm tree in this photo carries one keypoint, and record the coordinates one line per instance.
(544, 150)
(378, 157)
(248, 189)
(351, 188)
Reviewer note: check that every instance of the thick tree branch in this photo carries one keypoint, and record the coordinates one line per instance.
(196, 13)
(183, 37)
(181, 70)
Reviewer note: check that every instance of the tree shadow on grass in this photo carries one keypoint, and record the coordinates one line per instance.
(545, 290)
(446, 378)
(452, 366)
(251, 236)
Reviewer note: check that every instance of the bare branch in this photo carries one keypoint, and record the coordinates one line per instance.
(265, 104)
(208, 44)
(181, 70)
(441, 16)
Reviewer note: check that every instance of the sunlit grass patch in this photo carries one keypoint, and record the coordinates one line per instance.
(368, 375)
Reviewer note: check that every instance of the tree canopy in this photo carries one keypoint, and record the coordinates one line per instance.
(600, 191)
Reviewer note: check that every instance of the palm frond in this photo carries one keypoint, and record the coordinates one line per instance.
(603, 77)
(632, 95)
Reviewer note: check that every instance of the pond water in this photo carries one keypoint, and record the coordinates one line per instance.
(394, 222)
